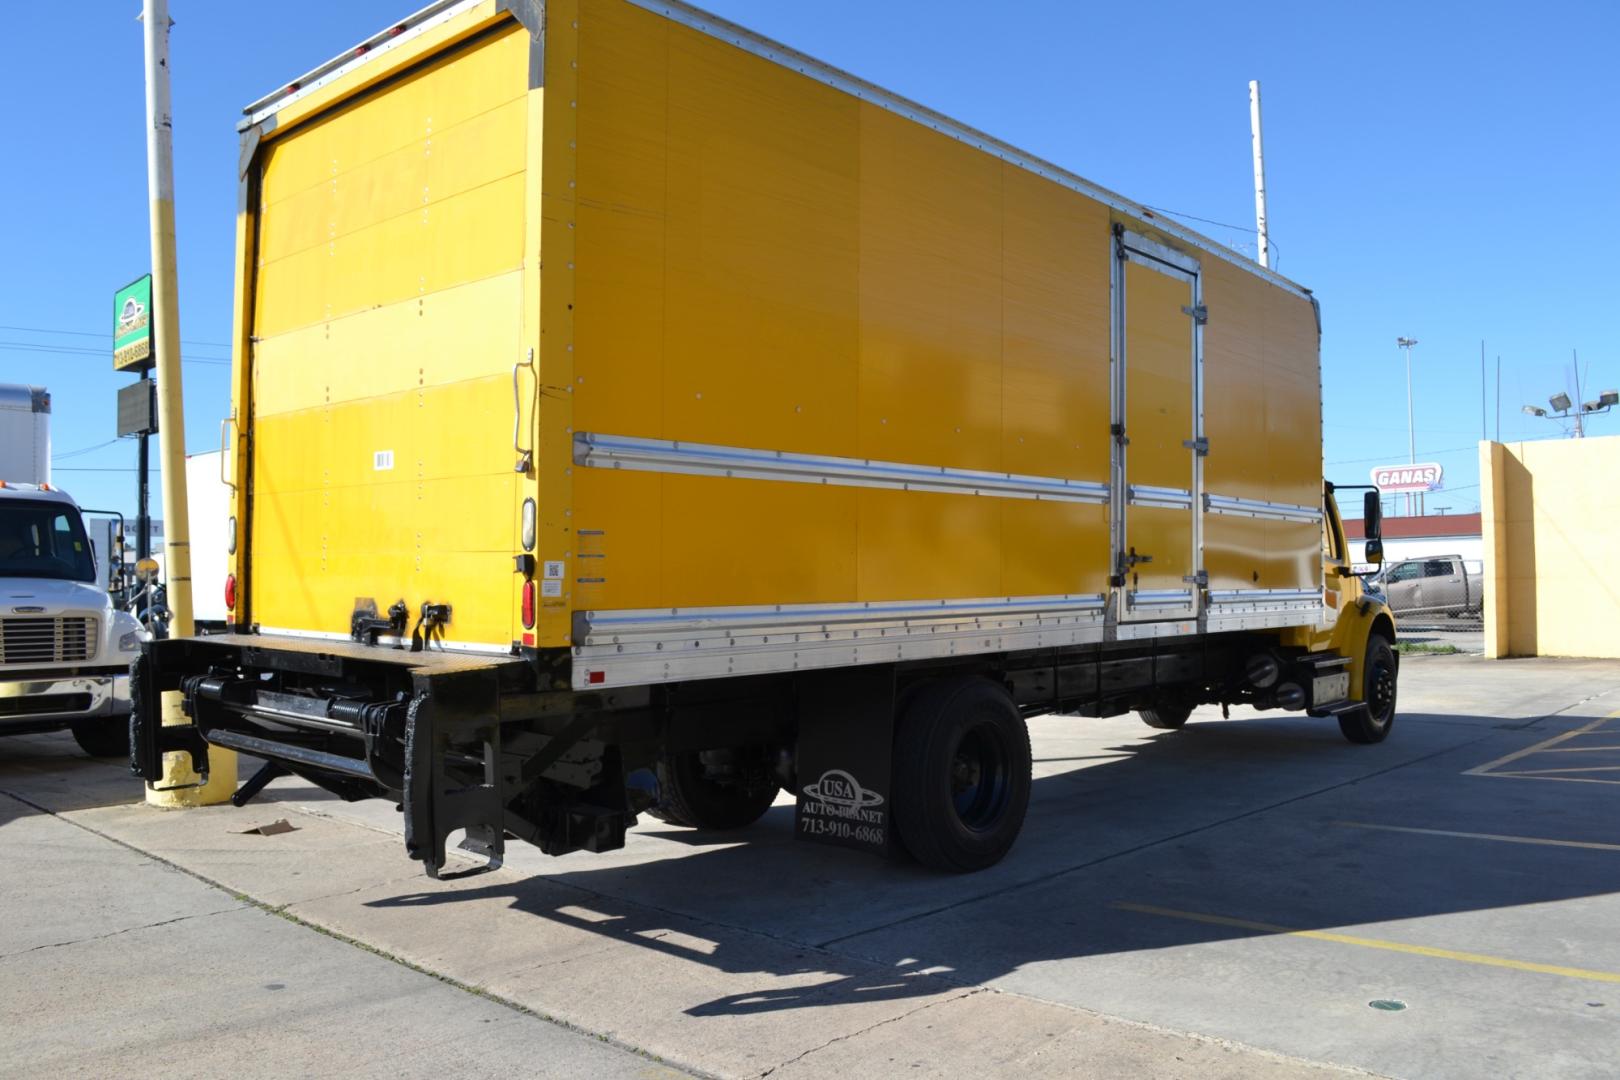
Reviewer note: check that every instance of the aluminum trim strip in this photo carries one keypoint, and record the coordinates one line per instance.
(1268, 597)
(1164, 498)
(481, 647)
(702, 459)
(599, 627)
(857, 87)
(762, 640)
(1266, 511)
(378, 44)
(1144, 598)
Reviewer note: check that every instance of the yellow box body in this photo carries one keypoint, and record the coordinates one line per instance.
(483, 248)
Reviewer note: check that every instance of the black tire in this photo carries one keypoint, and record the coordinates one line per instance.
(687, 796)
(961, 776)
(1372, 723)
(106, 738)
(1165, 716)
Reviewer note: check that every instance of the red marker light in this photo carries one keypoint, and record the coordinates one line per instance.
(594, 677)
(528, 605)
(230, 591)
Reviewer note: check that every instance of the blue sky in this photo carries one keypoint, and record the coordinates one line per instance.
(1446, 171)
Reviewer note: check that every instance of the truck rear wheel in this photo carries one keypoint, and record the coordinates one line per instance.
(1372, 723)
(962, 775)
(103, 738)
(690, 794)
(1167, 716)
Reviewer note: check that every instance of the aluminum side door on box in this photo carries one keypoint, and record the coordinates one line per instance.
(1158, 428)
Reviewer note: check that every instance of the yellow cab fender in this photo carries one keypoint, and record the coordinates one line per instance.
(1358, 621)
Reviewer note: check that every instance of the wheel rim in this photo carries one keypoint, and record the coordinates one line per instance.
(1381, 692)
(981, 778)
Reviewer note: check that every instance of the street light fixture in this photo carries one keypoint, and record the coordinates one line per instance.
(1564, 409)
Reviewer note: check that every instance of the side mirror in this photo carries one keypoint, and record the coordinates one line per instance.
(1373, 552)
(1372, 516)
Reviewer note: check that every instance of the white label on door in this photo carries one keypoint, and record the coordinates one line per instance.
(551, 588)
(554, 570)
(382, 460)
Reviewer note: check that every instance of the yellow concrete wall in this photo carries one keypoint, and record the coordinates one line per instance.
(1551, 515)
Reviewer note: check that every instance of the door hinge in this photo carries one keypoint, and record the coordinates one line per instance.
(1199, 444)
(1118, 432)
(1200, 579)
(1200, 313)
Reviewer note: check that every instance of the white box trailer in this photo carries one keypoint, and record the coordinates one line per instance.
(25, 434)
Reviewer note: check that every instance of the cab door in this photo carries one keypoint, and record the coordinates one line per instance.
(1158, 431)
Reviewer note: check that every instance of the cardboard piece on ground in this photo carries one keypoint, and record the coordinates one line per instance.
(275, 828)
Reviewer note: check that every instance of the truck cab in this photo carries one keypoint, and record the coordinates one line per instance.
(65, 649)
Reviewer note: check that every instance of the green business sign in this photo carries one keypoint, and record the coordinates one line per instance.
(132, 326)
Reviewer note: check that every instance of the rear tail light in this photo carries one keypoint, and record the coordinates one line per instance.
(230, 591)
(528, 605)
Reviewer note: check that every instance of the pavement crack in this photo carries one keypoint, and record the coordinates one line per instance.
(125, 930)
(873, 1027)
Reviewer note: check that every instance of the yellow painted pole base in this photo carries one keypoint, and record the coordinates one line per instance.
(177, 769)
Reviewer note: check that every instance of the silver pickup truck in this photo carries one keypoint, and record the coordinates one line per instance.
(1437, 586)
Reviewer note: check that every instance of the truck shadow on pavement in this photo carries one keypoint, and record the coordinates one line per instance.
(1221, 831)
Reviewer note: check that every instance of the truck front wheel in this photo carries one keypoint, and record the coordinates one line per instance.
(103, 738)
(1372, 723)
(962, 775)
(716, 795)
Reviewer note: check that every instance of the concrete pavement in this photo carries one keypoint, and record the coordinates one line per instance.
(1225, 900)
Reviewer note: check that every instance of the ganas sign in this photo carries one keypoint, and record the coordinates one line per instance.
(1424, 476)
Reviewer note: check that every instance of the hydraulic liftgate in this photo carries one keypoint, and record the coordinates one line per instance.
(422, 728)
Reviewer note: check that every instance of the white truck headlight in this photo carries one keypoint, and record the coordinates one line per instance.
(129, 642)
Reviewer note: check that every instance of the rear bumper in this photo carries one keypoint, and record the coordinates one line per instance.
(42, 702)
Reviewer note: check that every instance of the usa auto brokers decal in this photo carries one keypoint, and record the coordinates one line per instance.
(837, 807)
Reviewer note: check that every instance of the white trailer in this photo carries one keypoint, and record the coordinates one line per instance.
(25, 434)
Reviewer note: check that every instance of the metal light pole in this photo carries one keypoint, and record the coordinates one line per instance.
(1406, 343)
(1259, 174)
(180, 785)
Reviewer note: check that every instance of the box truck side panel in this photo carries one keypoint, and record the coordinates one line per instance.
(387, 317)
(768, 265)
(1263, 415)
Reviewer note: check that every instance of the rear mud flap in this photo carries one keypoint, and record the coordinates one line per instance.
(845, 759)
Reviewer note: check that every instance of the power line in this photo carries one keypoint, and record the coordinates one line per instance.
(71, 350)
(66, 454)
(1385, 457)
(87, 333)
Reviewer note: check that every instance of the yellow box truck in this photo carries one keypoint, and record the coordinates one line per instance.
(634, 415)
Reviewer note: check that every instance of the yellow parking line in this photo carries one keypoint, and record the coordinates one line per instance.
(1506, 839)
(1376, 943)
(1481, 770)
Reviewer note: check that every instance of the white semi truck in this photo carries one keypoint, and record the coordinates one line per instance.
(65, 649)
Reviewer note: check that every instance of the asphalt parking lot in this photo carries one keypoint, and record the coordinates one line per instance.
(1253, 897)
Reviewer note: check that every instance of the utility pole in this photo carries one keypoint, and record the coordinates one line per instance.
(1406, 343)
(180, 786)
(1575, 362)
(1259, 174)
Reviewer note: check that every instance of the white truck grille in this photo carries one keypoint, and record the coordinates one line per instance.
(59, 640)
